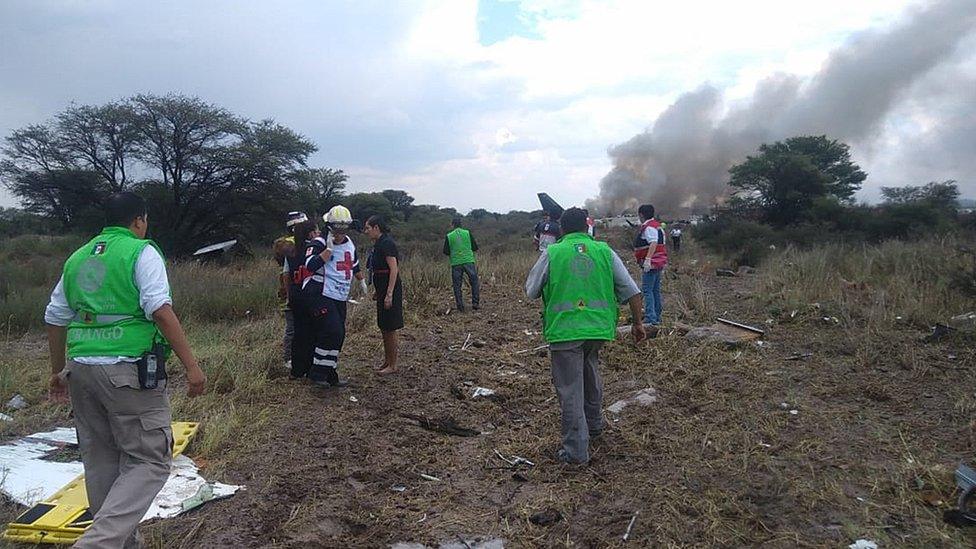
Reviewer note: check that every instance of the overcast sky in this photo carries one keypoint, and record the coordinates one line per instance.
(463, 103)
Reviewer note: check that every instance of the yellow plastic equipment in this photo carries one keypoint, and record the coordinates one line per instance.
(64, 517)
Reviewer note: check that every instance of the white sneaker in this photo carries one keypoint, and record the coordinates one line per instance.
(288, 365)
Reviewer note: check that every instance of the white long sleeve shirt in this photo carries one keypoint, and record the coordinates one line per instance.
(149, 277)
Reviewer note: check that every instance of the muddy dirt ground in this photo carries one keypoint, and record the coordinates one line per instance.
(743, 447)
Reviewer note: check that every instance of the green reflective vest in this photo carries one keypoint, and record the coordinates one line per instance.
(579, 298)
(460, 242)
(100, 287)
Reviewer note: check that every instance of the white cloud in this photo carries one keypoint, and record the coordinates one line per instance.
(404, 95)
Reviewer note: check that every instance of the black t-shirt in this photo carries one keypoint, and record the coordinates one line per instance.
(384, 248)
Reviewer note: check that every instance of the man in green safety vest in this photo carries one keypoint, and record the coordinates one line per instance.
(581, 281)
(112, 310)
(460, 246)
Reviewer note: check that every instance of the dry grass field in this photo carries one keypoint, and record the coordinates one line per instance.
(746, 446)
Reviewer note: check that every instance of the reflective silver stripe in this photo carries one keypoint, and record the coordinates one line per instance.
(324, 362)
(571, 305)
(101, 319)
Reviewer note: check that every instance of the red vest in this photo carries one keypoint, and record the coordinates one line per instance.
(659, 255)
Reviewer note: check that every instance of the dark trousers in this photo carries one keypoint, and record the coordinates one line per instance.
(329, 333)
(457, 274)
(302, 341)
(676, 243)
(320, 331)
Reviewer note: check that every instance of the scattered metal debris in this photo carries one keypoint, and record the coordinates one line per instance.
(482, 392)
(18, 402)
(539, 348)
(799, 356)
(965, 514)
(863, 544)
(218, 247)
(630, 526)
(724, 272)
(431, 478)
(644, 397)
(515, 461)
(965, 322)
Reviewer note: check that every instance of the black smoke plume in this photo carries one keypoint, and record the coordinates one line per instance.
(680, 163)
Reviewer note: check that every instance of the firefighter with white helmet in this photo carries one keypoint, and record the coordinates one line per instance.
(330, 265)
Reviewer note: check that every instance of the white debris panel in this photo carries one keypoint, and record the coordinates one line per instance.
(28, 476)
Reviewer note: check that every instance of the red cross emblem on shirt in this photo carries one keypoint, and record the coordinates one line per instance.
(345, 265)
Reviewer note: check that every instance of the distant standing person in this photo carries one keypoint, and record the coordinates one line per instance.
(676, 238)
(581, 281)
(651, 254)
(590, 224)
(112, 308)
(384, 266)
(547, 231)
(283, 248)
(460, 246)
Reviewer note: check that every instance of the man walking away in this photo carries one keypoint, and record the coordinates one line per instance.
(112, 309)
(547, 231)
(460, 246)
(652, 255)
(581, 281)
(676, 238)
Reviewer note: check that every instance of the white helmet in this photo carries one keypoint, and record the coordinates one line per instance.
(338, 217)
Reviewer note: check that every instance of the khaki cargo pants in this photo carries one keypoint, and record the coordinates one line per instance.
(125, 437)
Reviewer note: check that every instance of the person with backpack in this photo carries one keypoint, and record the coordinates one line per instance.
(460, 246)
(283, 248)
(651, 253)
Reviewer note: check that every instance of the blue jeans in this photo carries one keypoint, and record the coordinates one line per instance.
(652, 297)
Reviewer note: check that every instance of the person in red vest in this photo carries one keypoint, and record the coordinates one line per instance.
(651, 254)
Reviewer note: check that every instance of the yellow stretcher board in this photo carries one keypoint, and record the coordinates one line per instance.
(64, 517)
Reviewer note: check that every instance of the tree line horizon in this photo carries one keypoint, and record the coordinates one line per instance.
(211, 175)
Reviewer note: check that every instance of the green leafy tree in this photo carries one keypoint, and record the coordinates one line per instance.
(401, 202)
(786, 179)
(942, 195)
(364, 205)
(319, 189)
(71, 197)
(209, 174)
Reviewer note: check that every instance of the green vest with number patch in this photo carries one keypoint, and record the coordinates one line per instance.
(100, 287)
(580, 301)
(460, 243)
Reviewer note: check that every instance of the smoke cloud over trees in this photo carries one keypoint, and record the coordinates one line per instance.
(680, 163)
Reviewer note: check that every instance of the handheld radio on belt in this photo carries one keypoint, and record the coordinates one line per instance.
(151, 366)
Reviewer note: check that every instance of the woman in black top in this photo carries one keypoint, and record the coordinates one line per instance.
(384, 266)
